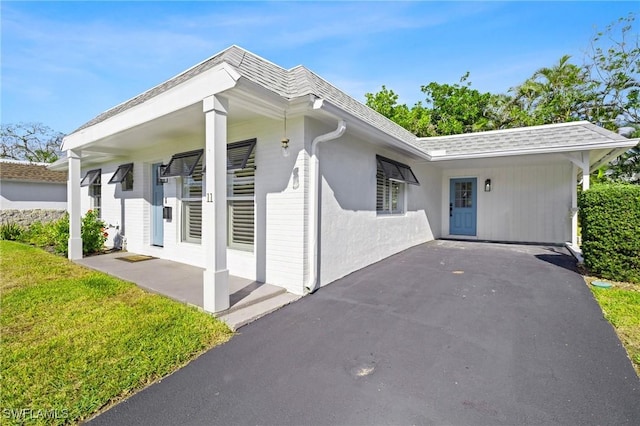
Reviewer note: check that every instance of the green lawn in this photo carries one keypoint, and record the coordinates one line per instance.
(74, 341)
(621, 307)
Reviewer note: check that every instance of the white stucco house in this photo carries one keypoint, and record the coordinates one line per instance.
(243, 167)
(27, 186)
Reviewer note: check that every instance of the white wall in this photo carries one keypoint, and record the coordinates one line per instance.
(32, 195)
(352, 234)
(278, 255)
(527, 203)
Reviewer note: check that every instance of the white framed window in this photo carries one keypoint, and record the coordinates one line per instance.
(93, 179)
(191, 200)
(241, 194)
(392, 178)
(124, 176)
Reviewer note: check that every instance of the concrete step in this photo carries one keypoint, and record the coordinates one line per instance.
(249, 313)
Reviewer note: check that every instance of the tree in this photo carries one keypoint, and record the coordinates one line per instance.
(557, 94)
(417, 119)
(456, 108)
(614, 65)
(31, 142)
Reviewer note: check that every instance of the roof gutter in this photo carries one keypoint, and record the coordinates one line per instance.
(314, 204)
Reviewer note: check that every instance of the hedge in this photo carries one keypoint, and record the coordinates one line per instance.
(610, 219)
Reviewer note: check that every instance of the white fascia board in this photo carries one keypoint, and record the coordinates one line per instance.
(353, 121)
(605, 145)
(218, 79)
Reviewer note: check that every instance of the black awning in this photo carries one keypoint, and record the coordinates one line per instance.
(397, 171)
(92, 177)
(238, 154)
(121, 173)
(182, 164)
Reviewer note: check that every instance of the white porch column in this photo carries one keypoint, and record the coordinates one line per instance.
(214, 206)
(586, 166)
(73, 206)
(574, 207)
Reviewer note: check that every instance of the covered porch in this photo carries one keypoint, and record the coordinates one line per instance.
(248, 300)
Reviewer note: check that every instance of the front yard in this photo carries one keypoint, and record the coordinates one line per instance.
(74, 341)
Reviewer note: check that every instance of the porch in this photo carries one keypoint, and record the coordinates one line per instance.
(248, 300)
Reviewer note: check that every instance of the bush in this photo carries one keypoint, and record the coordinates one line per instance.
(55, 235)
(93, 233)
(10, 231)
(610, 219)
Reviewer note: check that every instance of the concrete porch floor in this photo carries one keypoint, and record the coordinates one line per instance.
(249, 300)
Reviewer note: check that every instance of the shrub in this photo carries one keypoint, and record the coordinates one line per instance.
(610, 219)
(10, 231)
(93, 233)
(55, 235)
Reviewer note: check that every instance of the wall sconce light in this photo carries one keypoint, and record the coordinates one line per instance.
(285, 147)
(285, 140)
(487, 185)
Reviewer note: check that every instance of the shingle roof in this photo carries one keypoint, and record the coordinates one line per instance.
(32, 172)
(572, 134)
(290, 84)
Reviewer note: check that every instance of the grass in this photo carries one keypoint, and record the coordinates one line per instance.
(75, 341)
(621, 307)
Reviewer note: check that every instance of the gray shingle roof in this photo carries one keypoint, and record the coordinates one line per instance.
(32, 172)
(572, 134)
(300, 81)
(290, 84)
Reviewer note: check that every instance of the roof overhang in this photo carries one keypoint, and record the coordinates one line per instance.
(364, 128)
(218, 79)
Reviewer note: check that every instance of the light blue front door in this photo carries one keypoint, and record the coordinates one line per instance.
(157, 223)
(462, 206)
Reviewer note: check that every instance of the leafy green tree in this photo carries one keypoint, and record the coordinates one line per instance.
(415, 119)
(557, 94)
(614, 65)
(457, 108)
(31, 142)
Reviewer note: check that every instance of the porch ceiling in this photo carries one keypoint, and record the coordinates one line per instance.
(183, 124)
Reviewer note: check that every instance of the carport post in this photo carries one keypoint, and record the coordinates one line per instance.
(214, 206)
(74, 246)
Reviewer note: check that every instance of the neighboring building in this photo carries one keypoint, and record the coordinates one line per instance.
(28, 186)
(242, 167)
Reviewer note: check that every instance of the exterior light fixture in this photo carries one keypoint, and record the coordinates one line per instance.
(285, 147)
(487, 185)
(285, 140)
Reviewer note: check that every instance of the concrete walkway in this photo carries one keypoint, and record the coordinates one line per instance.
(249, 300)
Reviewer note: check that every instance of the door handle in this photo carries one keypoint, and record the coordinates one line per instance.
(450, 209)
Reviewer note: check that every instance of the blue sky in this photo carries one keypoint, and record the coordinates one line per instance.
(65, 62)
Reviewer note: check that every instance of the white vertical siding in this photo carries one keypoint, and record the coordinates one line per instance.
(527, 203)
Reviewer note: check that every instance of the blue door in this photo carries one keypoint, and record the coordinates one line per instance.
(462, 206)
(157, 223)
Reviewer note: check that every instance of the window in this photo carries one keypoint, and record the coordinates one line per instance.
(93, 180)
(182, 164)
(463, 197)
(191, 194)
(391, 180)
(241, 194)
(124, 176)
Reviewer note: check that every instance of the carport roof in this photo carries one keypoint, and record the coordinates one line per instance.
(572, 136)
(25, 171)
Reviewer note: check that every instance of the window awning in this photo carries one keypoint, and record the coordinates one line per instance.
(182, 164)
(238, 154)
(121, 173)
(397, 171)
(92, 177)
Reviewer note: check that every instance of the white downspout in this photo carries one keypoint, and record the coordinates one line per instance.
(314, 203)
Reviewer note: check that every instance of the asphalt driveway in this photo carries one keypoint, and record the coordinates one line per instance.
(443, 333)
